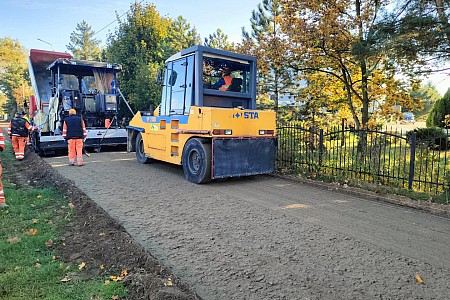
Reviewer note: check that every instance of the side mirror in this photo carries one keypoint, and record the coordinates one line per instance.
(173, 78)
(152, 108)
(160, 76)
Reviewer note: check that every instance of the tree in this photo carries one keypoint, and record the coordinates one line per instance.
(428, 95)
(219, 40)
(274, 76)
(181, 36)
(82, 44)
(340, 38)
(139, 44)
(3, 101)
(440, 112)
(13, 74)
(419, 30)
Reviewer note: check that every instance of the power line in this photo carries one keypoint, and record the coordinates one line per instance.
(116, 18)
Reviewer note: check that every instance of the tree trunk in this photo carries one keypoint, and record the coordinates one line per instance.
(363, 67)
(349, 99)
(442, 17)
(275, 99)
(365, 94)
(362, 142)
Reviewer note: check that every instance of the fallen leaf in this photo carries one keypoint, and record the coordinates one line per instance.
(419, 279)
(102, 234)
(107, 282)
(115, 297)
(65, 279)
(116, 278)
(49, 243)
(169, 282)
(82, 265)
(14, 240)
(39, 196)
(38, 265)
(102, 266)
(124, 273)
(71, 206)
(35, 221)
(32, 231)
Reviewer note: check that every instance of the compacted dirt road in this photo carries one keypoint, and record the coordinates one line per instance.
(264, 237)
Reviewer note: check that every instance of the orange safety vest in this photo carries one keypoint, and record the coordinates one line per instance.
(227, 84)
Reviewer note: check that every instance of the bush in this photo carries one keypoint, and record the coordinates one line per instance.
(432, 137)
(440, 109)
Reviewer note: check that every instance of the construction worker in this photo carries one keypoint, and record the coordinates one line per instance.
(224, 83)
(74, 132)
(18, 131)
(27, 118)
(2, 195)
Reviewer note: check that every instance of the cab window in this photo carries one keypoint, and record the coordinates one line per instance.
(178, 87)
(215, 71)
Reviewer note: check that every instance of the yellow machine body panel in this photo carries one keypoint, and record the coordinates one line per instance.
(164, 137)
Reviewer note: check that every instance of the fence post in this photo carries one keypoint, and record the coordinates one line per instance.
(320, 147)
(412, 160)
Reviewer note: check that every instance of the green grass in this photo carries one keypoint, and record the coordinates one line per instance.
(385, 163)
(28, 268)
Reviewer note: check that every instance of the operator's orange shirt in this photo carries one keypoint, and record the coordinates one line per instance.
(227, 79)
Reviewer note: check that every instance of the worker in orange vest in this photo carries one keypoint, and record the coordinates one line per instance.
(74, 132)
(224, 83)
(18, 131)
(2, 194)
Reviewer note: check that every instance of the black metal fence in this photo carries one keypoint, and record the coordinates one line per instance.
(383, 157)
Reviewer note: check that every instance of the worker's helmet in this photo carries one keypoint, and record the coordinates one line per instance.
(72, 111)
(226, 71)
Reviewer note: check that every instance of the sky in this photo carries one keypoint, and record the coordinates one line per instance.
(47, 24)
(53, 21)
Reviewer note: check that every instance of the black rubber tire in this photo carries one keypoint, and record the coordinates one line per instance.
(196, 160)
(140, 154)
(36, 144)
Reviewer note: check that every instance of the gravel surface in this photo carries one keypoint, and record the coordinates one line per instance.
(264, 237)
